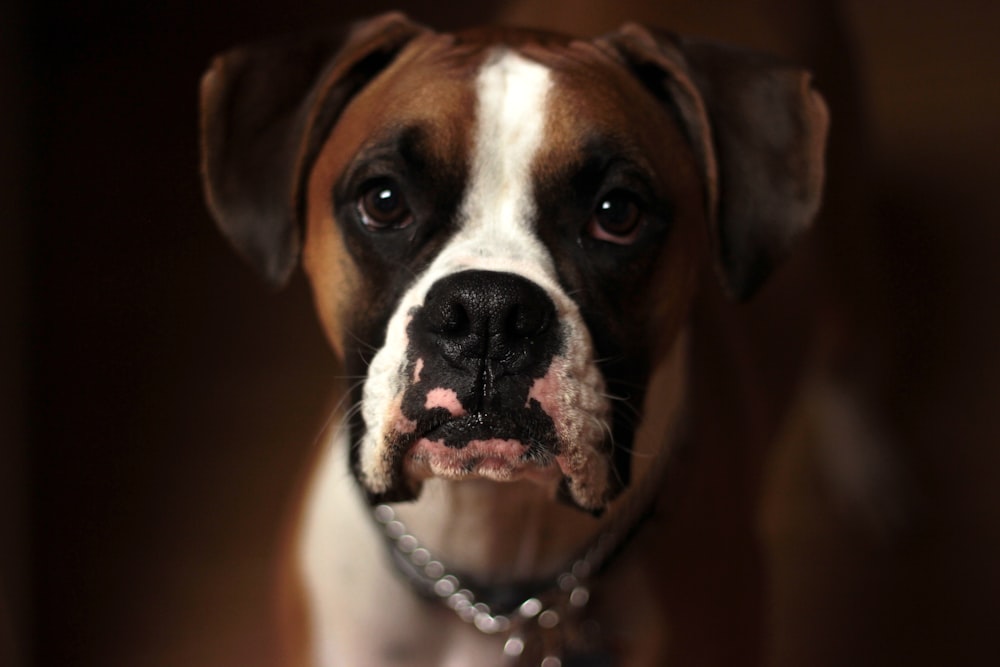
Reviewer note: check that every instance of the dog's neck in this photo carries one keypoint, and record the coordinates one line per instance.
(498, 532)
(510, 532)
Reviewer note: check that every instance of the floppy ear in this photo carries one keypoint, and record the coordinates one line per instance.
(265, 111)
(759, 131)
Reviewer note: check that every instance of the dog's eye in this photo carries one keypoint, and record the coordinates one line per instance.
(617, 218)
(383, 206)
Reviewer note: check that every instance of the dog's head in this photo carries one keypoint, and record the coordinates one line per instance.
(504, 229)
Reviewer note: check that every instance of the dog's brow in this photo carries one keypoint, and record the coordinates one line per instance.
(401, 149)
(598, 157)
(404, 142)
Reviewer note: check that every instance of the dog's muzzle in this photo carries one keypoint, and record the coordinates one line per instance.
(481, 342)
(490, 375)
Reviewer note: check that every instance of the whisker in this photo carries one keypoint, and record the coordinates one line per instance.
(365, 361)
(624, 383)
(632, 412)
(362, 343)
(337, 412)
(609, 360)
(615, 397)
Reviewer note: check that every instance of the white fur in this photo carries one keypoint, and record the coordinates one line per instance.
(497, 213)
(348, 596)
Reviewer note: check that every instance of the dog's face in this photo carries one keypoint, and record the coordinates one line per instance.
(498, 219)
(504, 232)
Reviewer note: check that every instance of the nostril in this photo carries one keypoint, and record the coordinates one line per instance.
(525, 321)
(453, 319)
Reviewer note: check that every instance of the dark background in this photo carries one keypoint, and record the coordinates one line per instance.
(157, 403)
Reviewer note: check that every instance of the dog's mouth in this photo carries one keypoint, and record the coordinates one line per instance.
(501, 448)
(504, 400)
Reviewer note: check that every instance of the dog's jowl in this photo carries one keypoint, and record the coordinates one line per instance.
(507, 233)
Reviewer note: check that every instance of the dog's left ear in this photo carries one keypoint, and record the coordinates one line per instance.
(759, 131)
(265, 111)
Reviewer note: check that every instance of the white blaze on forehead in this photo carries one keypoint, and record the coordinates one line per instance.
(510, 127)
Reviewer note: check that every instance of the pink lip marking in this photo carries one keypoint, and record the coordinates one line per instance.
(404, 425)
(546, 391)
(495, 459)
(417, 367)
(444, 398)
(493, 448)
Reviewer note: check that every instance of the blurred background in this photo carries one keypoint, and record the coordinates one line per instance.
(157, 403)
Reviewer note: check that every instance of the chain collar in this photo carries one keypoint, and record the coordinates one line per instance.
(549, 611)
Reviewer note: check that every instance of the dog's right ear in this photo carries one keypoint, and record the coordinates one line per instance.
(265, 112)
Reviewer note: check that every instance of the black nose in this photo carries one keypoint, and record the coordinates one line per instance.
(498, 318)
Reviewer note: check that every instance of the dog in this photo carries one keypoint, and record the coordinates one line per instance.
(524, 247)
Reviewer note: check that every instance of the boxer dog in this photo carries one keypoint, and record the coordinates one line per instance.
(512, 237)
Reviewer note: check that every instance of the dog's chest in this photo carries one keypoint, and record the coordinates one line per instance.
(362, 612)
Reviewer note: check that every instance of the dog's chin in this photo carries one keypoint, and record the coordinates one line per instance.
(470, 448)
(498, 460)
